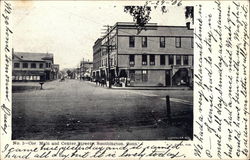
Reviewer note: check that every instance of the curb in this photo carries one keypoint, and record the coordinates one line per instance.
(146, 88)
(128, 88)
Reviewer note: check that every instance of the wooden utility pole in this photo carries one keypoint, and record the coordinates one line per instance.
(108, 52)
(109, 75)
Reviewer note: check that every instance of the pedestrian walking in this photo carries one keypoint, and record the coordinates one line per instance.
(102, 82)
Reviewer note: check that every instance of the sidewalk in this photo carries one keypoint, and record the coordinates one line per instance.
(151, 88)
(146, 87)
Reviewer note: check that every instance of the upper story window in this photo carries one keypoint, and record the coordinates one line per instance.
(144, 41)
(171, 59)
(41, 65)
(131, 59)
(131, 41)
(33, 65)
(162, 42)
(152, 59)
(192, 42)
(177, 42)
(185, 60)
(25, 65)
(144, 60)
(16, 65)
(47, 65)
(178, 60)
(162, 60)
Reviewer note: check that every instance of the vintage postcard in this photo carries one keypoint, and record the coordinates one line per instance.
(162, 79)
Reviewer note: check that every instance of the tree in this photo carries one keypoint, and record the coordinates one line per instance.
(189, 13)
(69, 73)
(141, 15)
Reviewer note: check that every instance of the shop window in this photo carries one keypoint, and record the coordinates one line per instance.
(144, 76)
(178, 60)
(131, 41)
(162, 42)
(162, 60)
(33, 65)
(138, 75)
(144, 60)
(185, 60)
(144, 41)
(132, 75)
(178, 42)
(25, 65)
(171, 59)
(131, 59)
(41, 65)
(152, 59)
(16, 65)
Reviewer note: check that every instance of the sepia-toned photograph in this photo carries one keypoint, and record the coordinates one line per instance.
(102, 70)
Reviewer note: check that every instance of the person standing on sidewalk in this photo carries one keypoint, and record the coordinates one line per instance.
(102, 82)
(105, 82)
(96, 81)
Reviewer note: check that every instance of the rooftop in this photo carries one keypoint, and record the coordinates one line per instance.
(27, 56)
(86, 62)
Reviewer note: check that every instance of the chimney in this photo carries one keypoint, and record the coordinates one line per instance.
(188, 25)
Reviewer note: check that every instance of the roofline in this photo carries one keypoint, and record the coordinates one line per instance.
(17, 56)
(86, 62)
(33, 53)
(147, 25)
(133, 24)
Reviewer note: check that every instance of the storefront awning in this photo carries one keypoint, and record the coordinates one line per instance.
(28, 73)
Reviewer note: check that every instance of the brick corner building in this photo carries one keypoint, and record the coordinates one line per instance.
(157, 56)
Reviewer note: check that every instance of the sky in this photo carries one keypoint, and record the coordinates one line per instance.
(68, 29)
